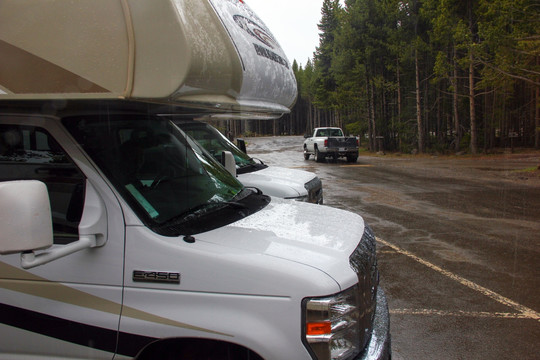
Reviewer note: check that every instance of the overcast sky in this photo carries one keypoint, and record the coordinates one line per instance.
(293, 23)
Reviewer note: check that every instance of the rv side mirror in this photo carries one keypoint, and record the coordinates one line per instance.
(25, 217)
(92, 232)
(227, 160)
(241, 143)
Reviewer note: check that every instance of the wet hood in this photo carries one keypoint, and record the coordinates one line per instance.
(278, 181)
(317, 236)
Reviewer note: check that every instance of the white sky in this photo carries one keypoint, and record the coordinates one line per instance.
(293, 23)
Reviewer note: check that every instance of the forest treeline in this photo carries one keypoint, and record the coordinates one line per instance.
(419, 76)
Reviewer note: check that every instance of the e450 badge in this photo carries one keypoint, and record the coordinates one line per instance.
(156, 276)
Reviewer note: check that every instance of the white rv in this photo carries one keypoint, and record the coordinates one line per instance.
(120, 237)
(272, 180)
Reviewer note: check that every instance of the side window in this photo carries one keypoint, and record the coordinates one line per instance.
(31, 153)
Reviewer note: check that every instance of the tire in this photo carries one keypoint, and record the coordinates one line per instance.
(352, 158)
(306, 155)
(318, 156)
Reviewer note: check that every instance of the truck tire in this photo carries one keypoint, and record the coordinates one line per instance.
(306, 154)
(318, 156)
(352, 158)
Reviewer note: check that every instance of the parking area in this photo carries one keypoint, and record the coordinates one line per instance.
(458, 245)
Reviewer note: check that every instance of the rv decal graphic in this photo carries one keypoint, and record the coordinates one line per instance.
(81, 334)
(255, 30)
(264, 52)
(24, 72)
(25, 282)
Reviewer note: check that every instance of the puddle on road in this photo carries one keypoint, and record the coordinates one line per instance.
(447, 251)
(456, 255)
(385, 196)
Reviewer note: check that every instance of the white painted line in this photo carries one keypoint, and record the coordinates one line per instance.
(459, 313)
(525, 311)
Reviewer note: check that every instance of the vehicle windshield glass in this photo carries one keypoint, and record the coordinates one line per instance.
(156, 168)
(329, 132)
(215, 142)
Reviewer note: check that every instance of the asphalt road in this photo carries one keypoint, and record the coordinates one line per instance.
(458, 247)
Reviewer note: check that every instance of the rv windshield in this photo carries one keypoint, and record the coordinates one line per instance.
(216, 143)
(170, 183)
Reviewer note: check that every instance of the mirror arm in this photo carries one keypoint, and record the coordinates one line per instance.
(30, 259)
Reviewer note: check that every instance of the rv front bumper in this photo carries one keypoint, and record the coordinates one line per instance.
(379, 346)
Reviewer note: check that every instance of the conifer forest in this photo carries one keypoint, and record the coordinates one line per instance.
(421, 76)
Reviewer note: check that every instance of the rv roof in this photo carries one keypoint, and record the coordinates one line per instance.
(213, 56)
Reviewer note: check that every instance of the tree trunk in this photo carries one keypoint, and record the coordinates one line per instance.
(398, 101)
(372, 116)
(311, 121)
(370, 129)
(455, 104)
(419, 121)
(398, 91)
(537, 112)
(439, 118)
(472, 110)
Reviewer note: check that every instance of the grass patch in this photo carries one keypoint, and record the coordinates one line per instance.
(528, 170)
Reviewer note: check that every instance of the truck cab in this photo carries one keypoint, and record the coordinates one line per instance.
(121, 237)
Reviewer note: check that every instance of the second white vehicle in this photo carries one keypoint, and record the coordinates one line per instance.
(271, 180)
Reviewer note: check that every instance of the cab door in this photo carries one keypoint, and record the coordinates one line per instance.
(69, 307)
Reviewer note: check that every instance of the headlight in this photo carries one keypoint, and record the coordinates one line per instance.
(338, 327)
(298, 198)
(331, 328)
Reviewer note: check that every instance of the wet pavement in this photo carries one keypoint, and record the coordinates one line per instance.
(458, 247)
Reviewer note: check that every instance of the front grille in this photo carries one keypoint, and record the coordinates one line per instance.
(364, 262)
(314, 189)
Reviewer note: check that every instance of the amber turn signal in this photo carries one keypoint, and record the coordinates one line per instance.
(318, 328)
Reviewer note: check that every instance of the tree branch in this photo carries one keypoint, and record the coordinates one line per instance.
(514, 76)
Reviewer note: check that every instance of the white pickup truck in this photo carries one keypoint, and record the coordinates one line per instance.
(330, 142)
(120, 237)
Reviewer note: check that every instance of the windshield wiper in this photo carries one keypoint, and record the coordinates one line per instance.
(259, 160)
(201, 210)
(248, 168)
(210, 215)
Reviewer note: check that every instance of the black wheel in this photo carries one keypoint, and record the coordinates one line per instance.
(352, 158)
(306, 155)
